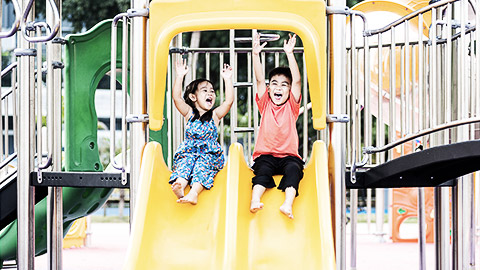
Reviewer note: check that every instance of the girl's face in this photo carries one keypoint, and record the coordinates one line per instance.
(204, 97)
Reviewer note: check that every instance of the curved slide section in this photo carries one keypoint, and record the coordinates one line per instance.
(220, 232)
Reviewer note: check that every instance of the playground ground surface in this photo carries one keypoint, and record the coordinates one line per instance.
(109, 243)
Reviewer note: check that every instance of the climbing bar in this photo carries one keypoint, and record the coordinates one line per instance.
(50, 32)
(16, 23)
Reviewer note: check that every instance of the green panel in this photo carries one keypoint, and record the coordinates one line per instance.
(87, 60)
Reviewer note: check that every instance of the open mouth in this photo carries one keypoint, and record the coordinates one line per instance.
(209, 101)
(277, 96)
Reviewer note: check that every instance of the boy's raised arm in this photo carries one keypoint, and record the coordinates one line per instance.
(292, 63)
(181, 69)
(227, 74)
(257, 65)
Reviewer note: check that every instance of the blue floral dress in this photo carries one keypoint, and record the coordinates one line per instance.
(199, 157)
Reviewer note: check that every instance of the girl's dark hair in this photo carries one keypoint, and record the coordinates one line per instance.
(191, 89)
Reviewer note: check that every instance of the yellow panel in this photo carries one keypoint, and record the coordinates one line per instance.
(306, 18)
(268, 239)
(169, 235)
(220, 232)
(76, 234)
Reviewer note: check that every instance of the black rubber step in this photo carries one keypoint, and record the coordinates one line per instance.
(432, 167)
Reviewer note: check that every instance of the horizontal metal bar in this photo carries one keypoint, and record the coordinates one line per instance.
(80, 179)
(242, 84)
(143, 118)
(373, 150)
(9, 68)
(6, 161)
(243, 129)
(263, 38)
(185, 50)
(144, 12)
(409, 16)
(24, 52)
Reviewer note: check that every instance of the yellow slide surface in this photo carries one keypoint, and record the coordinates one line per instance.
(220, 232)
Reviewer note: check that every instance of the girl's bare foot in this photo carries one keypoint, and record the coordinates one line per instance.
(255, 206)
(191, 198)
(286, 210)
(177, 189)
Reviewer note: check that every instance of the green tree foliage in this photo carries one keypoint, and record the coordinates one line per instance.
(86, 13)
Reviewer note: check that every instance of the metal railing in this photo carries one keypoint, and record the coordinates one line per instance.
(243, 129)
(424, 90)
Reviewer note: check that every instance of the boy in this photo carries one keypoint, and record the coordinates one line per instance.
(276, 148)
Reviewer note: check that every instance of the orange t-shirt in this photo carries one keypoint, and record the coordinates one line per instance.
(277, 135)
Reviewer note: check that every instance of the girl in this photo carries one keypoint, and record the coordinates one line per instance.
(200, 156)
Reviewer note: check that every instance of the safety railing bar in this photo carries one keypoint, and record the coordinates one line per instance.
(7, 160)
(9, 92)
(6, 179)
(456, 123)
(185, 50)
(9, 68)
(113, 87)
(408, 17)
(16, 23)
(50, 33)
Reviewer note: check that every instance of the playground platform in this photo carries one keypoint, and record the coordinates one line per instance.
(109, 244)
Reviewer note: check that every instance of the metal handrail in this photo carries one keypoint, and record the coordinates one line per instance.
(16, 23)
(9, 68)
(408, 17)
(6, 161)
(113, 88)
(50, 33)
(373, 150)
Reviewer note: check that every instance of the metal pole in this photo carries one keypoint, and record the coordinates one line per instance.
(353, 131)
(138, 96)
(336, 53)
(233, 112)
(55, 198)
(25, 194)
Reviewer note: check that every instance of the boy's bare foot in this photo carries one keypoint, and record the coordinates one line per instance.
(255, 206)
(191, 198)
(177, 189)
(287, 211)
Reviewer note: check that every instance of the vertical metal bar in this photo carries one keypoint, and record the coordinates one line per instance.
(207, 66)
(39, 99)
(393, 95)
(125, 41)
(421, 229)
(222, 135)
(305, 111)
(138, 97)
(255, 107)
(249, 102)
(14, 109)
(25, 194)
(233, 112)
(353, 131)
(367, 91)
(277, 59)
(380, 140)
(336, 70)
(406, 84)
(402, 112)
(168, 103)
(55, 198)
(477, 50)
(353, 224)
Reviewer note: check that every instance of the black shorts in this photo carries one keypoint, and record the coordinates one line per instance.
(266, 166)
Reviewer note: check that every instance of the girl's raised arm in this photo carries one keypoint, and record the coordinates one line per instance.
(181, 69)
(222, 110)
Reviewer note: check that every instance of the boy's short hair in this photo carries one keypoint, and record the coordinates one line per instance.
(285, 71)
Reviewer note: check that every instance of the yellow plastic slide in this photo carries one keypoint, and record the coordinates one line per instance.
(220, 232)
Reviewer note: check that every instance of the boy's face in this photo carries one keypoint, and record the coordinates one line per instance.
(279, 89)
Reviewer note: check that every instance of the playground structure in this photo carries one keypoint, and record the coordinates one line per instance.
(426, 55)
